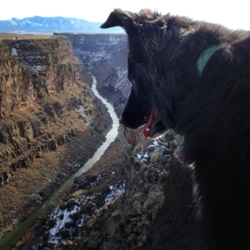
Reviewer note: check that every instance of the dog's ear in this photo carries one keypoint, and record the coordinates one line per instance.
(113, 20)
(118, 18)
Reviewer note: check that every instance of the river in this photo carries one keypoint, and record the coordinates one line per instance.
(17, 233)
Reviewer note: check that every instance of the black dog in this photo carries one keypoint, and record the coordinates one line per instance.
(194, 77)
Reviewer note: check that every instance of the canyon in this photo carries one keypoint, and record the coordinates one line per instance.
(51, 123)
(105, 55)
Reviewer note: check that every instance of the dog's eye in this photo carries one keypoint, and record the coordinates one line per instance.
(133, 82)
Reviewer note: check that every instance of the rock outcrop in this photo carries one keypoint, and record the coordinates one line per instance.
(141, 202)
(48, 114)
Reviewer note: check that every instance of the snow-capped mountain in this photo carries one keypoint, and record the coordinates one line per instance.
(39, 24)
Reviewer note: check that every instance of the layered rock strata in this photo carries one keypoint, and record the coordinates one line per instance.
(48, 114)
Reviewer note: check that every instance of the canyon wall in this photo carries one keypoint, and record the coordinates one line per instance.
(50, 121)
(105, 55)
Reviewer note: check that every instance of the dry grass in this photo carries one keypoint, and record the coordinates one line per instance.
(11, 36)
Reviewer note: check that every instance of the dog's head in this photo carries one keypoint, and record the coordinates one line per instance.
(140, 109)
(145, 105)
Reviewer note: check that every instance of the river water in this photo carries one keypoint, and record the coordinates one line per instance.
(17, 233)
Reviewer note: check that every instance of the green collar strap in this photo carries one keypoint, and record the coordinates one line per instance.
(205, 56)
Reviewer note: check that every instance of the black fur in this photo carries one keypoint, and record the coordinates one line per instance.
(211, 111)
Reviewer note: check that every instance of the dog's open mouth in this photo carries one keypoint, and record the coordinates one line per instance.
(150, 128)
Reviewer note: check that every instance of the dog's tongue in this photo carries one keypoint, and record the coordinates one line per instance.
(146, 128)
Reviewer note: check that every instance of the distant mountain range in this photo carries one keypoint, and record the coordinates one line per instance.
(46, 25)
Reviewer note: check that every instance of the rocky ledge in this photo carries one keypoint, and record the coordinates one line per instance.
(136, 197)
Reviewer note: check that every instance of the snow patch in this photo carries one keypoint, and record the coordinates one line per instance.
(115, 191)
(61, 217)
(83, 111)
(13, 52)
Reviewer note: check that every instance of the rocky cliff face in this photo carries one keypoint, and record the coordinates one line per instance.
(16, 87)
(50, 122)
(106, 56)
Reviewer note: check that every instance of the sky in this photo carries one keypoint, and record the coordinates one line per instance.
(231, 14)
